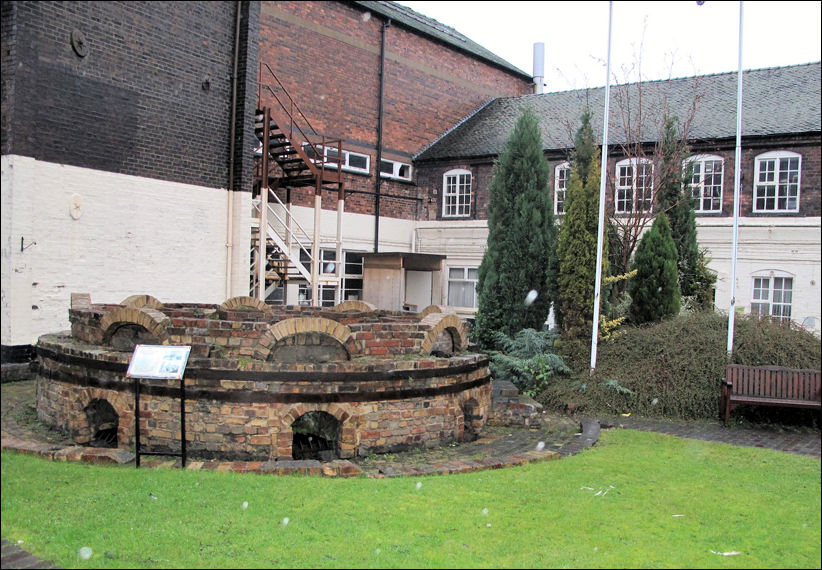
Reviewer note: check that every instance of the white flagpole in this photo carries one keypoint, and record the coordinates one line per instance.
(602, 178)
(737, 175)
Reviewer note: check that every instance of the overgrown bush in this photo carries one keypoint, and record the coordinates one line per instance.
(527, 360)
(674, 368)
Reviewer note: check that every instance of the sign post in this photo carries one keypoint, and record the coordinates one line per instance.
(158, 363)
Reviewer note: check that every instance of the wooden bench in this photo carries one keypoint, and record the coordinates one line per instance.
(769, 386)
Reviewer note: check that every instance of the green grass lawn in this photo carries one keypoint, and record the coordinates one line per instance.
(634, 500)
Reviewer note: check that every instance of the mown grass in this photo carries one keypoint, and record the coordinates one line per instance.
(616, 505)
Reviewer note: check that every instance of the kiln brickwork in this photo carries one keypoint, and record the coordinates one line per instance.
(384, 389)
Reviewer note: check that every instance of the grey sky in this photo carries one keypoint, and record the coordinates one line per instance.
(670, 39)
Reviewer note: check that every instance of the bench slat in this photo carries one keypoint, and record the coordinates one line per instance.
(770, 386)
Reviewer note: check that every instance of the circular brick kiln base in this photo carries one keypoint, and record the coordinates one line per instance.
(238, 409)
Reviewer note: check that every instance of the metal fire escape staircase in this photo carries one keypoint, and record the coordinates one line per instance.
(291, 155)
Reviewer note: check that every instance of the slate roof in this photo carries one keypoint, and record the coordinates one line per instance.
(780, 100)
(408, 18)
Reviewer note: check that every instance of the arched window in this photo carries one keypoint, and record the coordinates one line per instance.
(634, 186)
(776, 182)
(562, 174)
(705, 181)
(456, 193)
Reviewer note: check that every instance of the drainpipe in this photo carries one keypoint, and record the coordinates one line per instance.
(385, 25)
(230, 209)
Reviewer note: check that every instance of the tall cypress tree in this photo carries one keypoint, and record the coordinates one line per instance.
(678, 205)
(577, 244)
(654, 290)
(519, 256)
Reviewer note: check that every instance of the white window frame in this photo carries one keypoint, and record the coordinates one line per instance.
(770, 167)
(700, 192)
(331, 159)
(465, 278)
(328, 268)
(772, 294)
(561, 186)
(625, 186)
(399, 170)
(460, 207)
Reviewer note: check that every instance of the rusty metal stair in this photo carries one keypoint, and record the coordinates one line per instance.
(291, 154)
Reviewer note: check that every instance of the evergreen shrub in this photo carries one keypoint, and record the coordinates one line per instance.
(527, 360)
(674, 368)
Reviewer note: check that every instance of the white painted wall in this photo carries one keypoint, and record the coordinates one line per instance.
(789, 245)
(357, 230)
(112, 236)
(136, 235)
(786, 246)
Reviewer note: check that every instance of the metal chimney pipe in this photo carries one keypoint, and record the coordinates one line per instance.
(539, 67)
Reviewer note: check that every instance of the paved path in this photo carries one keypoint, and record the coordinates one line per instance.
(499, 447)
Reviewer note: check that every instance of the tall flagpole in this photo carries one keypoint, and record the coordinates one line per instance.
(737, 175)
(602, 178)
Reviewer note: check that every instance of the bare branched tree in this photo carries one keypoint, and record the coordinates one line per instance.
(640, 112)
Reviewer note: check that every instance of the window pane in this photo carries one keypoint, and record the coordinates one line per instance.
(357, 161)
(462, 291)
(457, 195)
(353, 263)
(461, 294)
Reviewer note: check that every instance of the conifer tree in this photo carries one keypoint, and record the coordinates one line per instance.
(519, 256)
(677, 204)
(654, 290)
(577, 244)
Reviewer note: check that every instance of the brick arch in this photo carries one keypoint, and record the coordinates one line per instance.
(138, 301)
(244, 301)
(77, 420)
(433, 309)
(342, 412)
(154, 321)
(444, 322)
(301, 325)
(355, 306)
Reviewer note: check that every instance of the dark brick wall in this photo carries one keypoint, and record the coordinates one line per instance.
(137, 103)
(8, 57)
(327, 55)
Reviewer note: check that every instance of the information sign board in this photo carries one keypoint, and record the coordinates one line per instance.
(158, 362)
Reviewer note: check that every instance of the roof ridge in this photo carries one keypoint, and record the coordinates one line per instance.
(682, 78)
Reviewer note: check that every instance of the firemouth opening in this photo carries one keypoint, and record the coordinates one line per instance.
(316, 436)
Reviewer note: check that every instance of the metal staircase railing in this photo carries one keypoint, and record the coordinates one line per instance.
(292, 155)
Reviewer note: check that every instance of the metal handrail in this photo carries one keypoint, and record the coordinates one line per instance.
(289, 110)
(294, 235)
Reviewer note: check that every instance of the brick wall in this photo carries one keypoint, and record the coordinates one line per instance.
(327, 54)
(148, 95)
(430, 177)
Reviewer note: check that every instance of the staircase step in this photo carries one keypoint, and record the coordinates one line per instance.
(287, 161)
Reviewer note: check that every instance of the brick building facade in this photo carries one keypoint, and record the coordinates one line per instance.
(780, 189)
(117, 125)
(117, 151)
